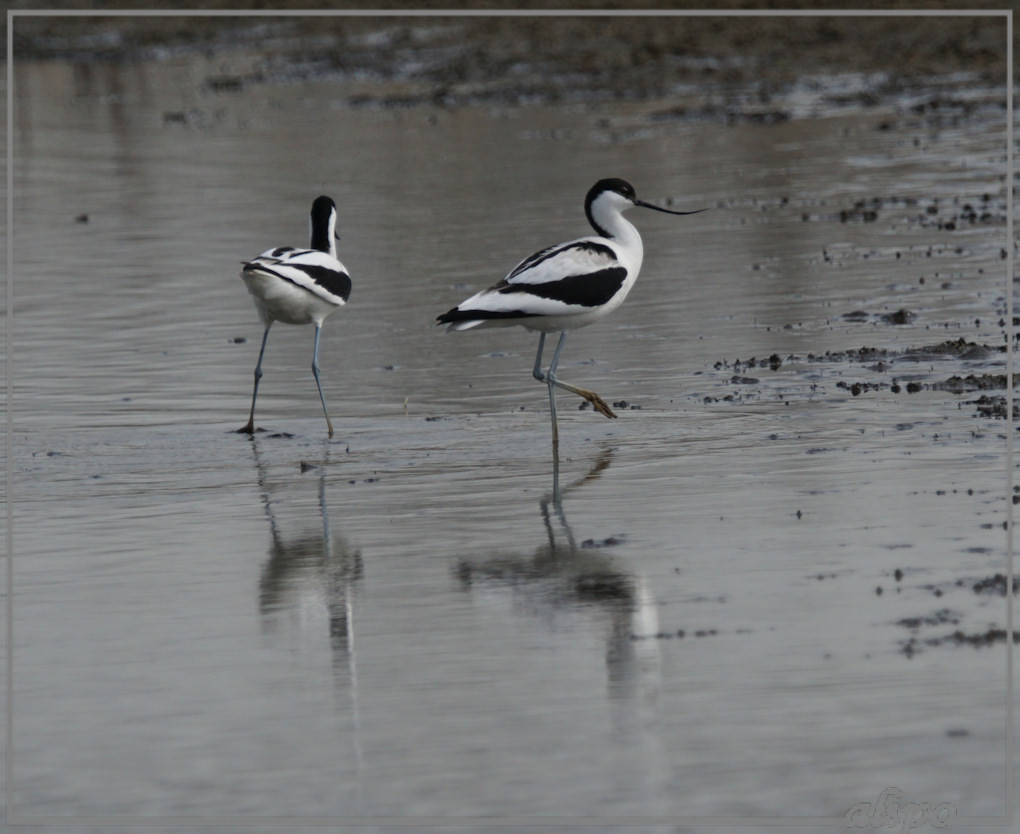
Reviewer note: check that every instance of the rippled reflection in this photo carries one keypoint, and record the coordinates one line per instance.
(310, 576)
(583, 577)
(310, 570)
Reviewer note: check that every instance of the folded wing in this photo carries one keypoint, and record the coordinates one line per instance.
(571, 278)
(309, 269)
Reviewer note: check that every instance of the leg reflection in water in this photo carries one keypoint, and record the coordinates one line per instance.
(578, 585)
(586, 576)
(311, 575)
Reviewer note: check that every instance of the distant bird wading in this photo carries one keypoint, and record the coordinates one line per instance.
(299, 286)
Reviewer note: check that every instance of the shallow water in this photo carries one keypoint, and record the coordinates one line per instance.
(403, 622)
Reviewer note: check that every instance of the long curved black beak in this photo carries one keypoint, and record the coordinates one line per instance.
(643, 204)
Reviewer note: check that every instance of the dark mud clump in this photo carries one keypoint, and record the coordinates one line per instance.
(940, 617)
(679, 633)
(990, 636)
(595, 544)
(988, 210)
(972, 382)
(863, 210)
(993, 407)
(899, 317)
(996, 585)
(773, 362)
(858, 388)
(949, 349)
(987, 406)
(900, 365)
(977, 640)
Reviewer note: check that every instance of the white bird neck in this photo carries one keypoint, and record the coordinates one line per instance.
(613, 225)
(605, 213)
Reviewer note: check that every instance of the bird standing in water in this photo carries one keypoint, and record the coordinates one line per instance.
(299, 286)
(566, 286)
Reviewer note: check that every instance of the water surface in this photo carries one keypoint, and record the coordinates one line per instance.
(403, 622)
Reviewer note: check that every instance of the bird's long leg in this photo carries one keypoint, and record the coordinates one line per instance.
(555, 425)
(537, 370)
(249, 428)
(315, 372)
(600, 405)
(541, 377)
(550, 381)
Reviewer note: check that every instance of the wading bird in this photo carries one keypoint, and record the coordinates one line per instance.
(566, 286)
(299, 286)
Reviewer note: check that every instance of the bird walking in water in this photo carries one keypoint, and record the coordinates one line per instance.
(299, 286)
(566, 286)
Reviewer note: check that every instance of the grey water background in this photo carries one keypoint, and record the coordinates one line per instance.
(401, 622)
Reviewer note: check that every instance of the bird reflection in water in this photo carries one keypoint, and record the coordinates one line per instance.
(310, 577)
(586, 577)
(312, 571)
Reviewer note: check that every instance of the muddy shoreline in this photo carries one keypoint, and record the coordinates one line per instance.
(725, 65)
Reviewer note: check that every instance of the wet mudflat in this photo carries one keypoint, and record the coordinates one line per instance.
(773, 587)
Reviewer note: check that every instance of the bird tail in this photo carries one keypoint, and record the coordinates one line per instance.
(457, 319)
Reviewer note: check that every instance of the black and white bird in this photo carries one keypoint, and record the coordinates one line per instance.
(570, 285)
(299, 286)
